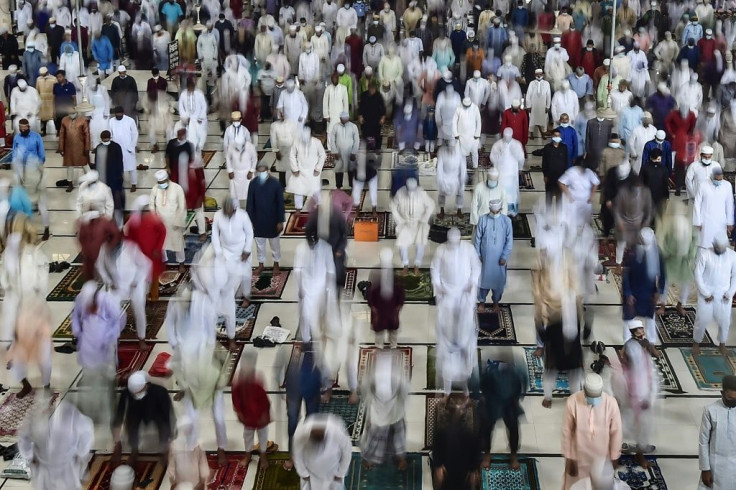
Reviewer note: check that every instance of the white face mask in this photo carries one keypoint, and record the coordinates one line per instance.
(492, 184)
(411, 185)
(707, 161)
(600, 119)
(106, 143)
(138, 396)
(236, 124)
(614, 145)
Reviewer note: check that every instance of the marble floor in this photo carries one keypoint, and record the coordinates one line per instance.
(677, 422)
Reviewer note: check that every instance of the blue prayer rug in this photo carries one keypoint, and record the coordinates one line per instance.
(536, 374)
(637, 477)
(500, 475)
(386, 476)
(245, 320)
(709, 367)
(192, 245)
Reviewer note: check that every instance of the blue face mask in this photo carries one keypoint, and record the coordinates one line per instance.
(556, 139)
(717, 182)
(165, 185)
(492, 184)
(593, 401)
(262, 176)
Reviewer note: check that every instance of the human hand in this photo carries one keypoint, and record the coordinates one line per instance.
(231, 175)
(502, 262)
(571, 467)
(707, 478)
(279, 227)
(278, 155)
(316, 173)
(244, 256)
(250, 175)
(709, 299)
(296, 174)
(631, 301)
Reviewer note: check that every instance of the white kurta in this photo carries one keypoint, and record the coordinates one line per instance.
(334, 102)
(555, 65)
(579, 182)
(640, 136)
(482, 195)
(717, 445)
(171, 205)
(230, 238)
(343, 140)
(125, 133)
(69, 62)
(621, 66)
(715, 276)
(193, 105)
(447, 104)
(411, 211)
(306, 158)
(25, 104)
(713, 211)
(466, 126)
(241, 161)
(451, 170)
(479, 90)
(99, 121)
(324, 461)
(565, 102)
(314, 270)
(538, 98)
(96, 196)
(234, 133)
(696, 175)
(639, 72)
(509, 160)
(283, 135)
(293, 105)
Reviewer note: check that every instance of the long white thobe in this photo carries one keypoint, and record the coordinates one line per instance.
(25, 104)
(564, 102)
(263, 46)
(283, 135)
(306, 158)
(447, 104)
(621, 66)
(478, 89)
(691, 94)
(241, 161)
(125, 133)
(324, 461)
(539, 96)
(640, 136)
(620, 101)
(293, 105)
(192, 105)
(99, 121)
(234, 134)
(334, 102)
(697, 173)
(555, 65)
(713, 211)
(292, 51)
(411, 211)
(314, 271)
(308, 67)
(639, 72)
(171, 205)
(321, 46)
(343, 140)
(715, 276)
(207, 46)
(455, 274)
(69, 62)
(509, 159)
(97, 196)
(466, 126)
(717, 445)
(391, 69)
(231, 237)
(451, 170)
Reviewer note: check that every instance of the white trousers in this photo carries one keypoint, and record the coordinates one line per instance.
(218, 416)
(199, 219)
(249, 439)
(393, 338)
(70, 172)
(372, 191)
(717, 311)
(684, 291)
(20, 369)
(404, 253)
(298, 202)
(274, 243)
(459, 198)
(137, 297)
(133, 176)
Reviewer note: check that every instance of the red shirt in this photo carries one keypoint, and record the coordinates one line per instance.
(148, 231)
(251, 403)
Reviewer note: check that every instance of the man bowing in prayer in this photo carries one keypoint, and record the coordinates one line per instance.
(322, 452)
(168, 201)
(493, 240)
(717, 444)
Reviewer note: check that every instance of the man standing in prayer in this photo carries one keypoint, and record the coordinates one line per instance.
(110, 167)
(484, 193)
(158, 108)
(679, 244)
(284, 132)
(564, 101)
(74, 145)
(597, 134)
(124, 132)
(579, 185)
(641, 135)
(29, 158)
(335, 102)
(451, 175)
(713, 210)
(507, 154)
(293, 104)
(94, 230)
(514, 118)
(591, 430)
(328, 224)
(633, 210)
(716, 444)
(124, 93)
(715, 278)
(252, 406)
(185, 170)
(539, 100)
(306, 159)
(94, 195)
(343, 142)
(455, 271)
(314, 270)
(466, 129)
(493, 241)
(385, 391)
(643, 284)
(411, 209)
(555, 162)
(24, 102)
(240, 163)
(322, 450)
(148, 231)
(569, 137)
(265, 208)
(700, 171)
(385, 296)
(656, 177)
(168, 201)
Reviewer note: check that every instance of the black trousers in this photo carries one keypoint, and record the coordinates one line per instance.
(339, 176)
(511, 420)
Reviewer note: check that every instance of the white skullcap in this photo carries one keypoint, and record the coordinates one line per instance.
(408, 109)
(43, 70)
(593, 385)
(476, 73)
(121, 68)
(13, 68)
(635, 323)
(447, 76)
(22, 83)
(646, 115)
(708, 150)
(270, 22)
(606, 62)
(292, 28)
(515, 103)
(137, 381)
(236, 115)
(3, 29)
(538, 70)
(556, 39)
(709, 32)
(344, 115)
(711, 109)
(156, 28)
(453, 235)
(467, 101)
(161, 175)
(31, 44)
(52, 20)
(29, 22)
(508, 57)
(91, 176)
(372, 39)
(141, 202)
(340, 68)
(368, 70)
(660, 135)
(619, 49)
(318, 29)
(493, 173)
(471, 33)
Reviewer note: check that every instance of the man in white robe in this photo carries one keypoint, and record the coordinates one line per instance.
(411, 209)
(169, 202)
(485, 192)
(640, 136)
(700, 171)
(293, 104)
(321, 44)
(334, 102)
(322, 451)
(448, 102)
(283, 134)
(639, 71)
(236, 131)
(263, 45)
(193, 114)
(343, 141)
(314, 270)
(507, 154)
(94, 195)
(466, 126)
(478, 89)
(306, 160)
(25, 103)
(207, 51)
(310, 78)
(451, 175)
(538, 99)
(455, 275)
(713, 208)
(565, 101)
(555, 64)
(391, 70)
(240, 162)
(579, 185)
(124, 132)
(716, 442)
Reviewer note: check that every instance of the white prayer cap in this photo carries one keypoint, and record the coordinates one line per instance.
(471, 33)
(368, 70)
(447, 76)
(635, 323)
(515, 103)
(22, 84)
(29, 22)
(123, 477)
(372, 39)
(89, 216)
(67, 31)
(292, 28)
(538, 70)
(31, 44)
(508, 57)
(716, 170)
(270, 22)
(593, 385)
(493, 174)
(141, 202)
(706, 150)
(619, 49)
(709, 32)
(454, 236)
(556, 39)
(340, 68)
(660, 135)
(711, 109)
(43, 70)
(52, 20)
(353, 27)
(476, 73)
(156, 28)
(408, 109)
(161, 175)
(647, 115)
(636, 44)
(318, 29)
(13, 68)
(137, 381)
(606, 62)
(121, 68)
(627, 32)
(344, 115)
(91, 176)
(467, 101)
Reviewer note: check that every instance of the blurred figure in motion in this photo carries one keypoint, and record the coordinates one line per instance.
(57, 446)
(679, 246)
(322, 451)
(493, 240)
(602, 477)
(327, 224)
(411, 209)
(385, 296)
(187, 461)
(253, 408)
(314, 270)
(456, 447)
(643, 284)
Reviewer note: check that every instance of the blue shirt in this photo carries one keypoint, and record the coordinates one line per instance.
(172, 11)
(19, 201)
(570, 138)
(27, 149)
(581, 86)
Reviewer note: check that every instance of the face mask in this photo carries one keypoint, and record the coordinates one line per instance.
(706, 161)
(155, 77)
(138, 396)
(600, 119)
(106, 143)
(656, 162)
(719, 249)
(614, 145)
(30, 49)
(592, 401)
(52, 25)
(119, 118)
(236, 124)
(411, 185)
(717, 183)
(565, 125)
(164, 185)
(557, 46)
(556, 139)
(492, 184)
(262, 176)
(539, 77)
(588, 48)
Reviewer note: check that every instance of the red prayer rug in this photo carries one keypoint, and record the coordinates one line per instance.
(231, 475)
(149, 472)
(130, 359)
(368, 356)
(13, 410)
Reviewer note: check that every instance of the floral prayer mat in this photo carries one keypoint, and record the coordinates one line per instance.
(267, 286)
(192, 246)
(435, 413)
(385, 476)
(500, 474)
(170, 280)
(351, 276)
(484, 160)
(676, 330)
(525, 181)
(496, 328)
(667, 378)
(382, 217)
(13, 411)
(418, 287)
(637, 477)
(368, 355)
(536, 374)
(149, 472)
(352, 415)
(232, 475)
(709, 368)
(245, 320)
(275, 477)
(673, 295)
(522, 230)
(207, 156)
(231, 359)
(69, 286)
(450, 220)
(607, 253)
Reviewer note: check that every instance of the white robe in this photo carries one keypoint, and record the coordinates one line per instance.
(306, 158)
(466, 126)
(96, 196)
(309, 67)
(233, 134)
(717, 446)
(283, 135)
(411, 211)
(322, 462)
(294, 106)
(697, 173)
(639, 74)
(314, 271)
(125, 133)
(482, 195)
(69, 62)
(241, 161)
(713, 211)
(621, 66)
(25, 104)
(230, 238)
(640, 136)
(565, 102)
(580, 184)
(192, 105)
(479, 90)
(447, 104)
(509, 159)
(343, 140)
(171, 206)
(99, 121)
(555, 65)
(539, 96)
(715, 275)
(334, 102)
(451, 170)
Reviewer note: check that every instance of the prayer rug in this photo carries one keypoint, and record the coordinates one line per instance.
(607, 253)
(390, 226)
(296, 224)
(13, 411)
(731, 177)
(267, 286)
(432, 368)
(245, 321)
(484, 160)
(232, 475)
(155, 316)
(192, 246)
(130, 359)
(496, 328)
(418, 287)
(382, 218)
(267, 144)
(676, 330)
(637, 477)
(598, 225)
(368, 355)
(525, 181)
(536, 375)
(6, 155)
(709, 368)
(207, 156)
(290, 206)
(148, 469)
(275, 477)
(329, 161)
(386, 476)
(296, 351)
(351, 276)
(522, 230)
(500, 474)
(69, 286)
(673, 295)
(230, 359)
(352, 415)
(170, 280)
(450, 220)
(667, 378)
(434, 413)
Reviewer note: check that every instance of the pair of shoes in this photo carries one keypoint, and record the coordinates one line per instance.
(275, 322)
(142, 167)
(9, 452)
(263, 342)
(58, 266)
(63, 183)
(67, 348)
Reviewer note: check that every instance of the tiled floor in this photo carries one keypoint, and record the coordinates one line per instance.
(677, 423)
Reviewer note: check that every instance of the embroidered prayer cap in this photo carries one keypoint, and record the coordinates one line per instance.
(593, 385)
(161, 175)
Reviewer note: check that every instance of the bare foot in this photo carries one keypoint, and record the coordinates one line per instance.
(401, 464)
(297, 213)
(288, 465)
(374, 213)
(442, 214)
(276, 269)
(221, 458)
(405, 271)
(481, 307)
(514, 462)
(259, 269)
(486, 462)
(642, 461)
(182, 268)
(326, 396)
(179, 395)
(262, 461)
(495, 308)
(459, 213)
(245, 303)
(696, 349)
(154, 149)
(547, 403)
(681, 309)
(353, 399)
(133, 188)
(660, 310)
(723, 350)
(246, 460)
(416, 270)
(538, 352)
(366, 465)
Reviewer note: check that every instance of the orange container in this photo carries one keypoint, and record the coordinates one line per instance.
(366, 231)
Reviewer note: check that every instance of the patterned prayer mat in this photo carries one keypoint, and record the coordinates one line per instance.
(245, 321)
(275, 477)
(6, 155)
(536, 374)
(598, 225)
(709, 368)
(207, 156)
(637, 477)
(731, 177)
(231, 359)
(434, 413)
(295, 225)
(500, 475)
(385, 476)
(668, 380)
(525, 181)
(13, 411)
(351, 276)
(677, 330)
(267, 286)
(130, 359)
(267, 144)
(390, 226)
(522, 230)
(484, 160)
(147, 469)
(170, 280)
(352, 415)
(382, 218)
(418, 287)
(450, 220)
(192, 245)
(329, 161)
(232, 475)
(155, 316)
(69, 286)
(432, 380)
(673, 295)
(496, 328)
(368, 355)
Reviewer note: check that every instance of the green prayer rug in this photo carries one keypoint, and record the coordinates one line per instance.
(500, 475)
(451, 220)
(522, 230)
(433, 382)
(275, 477)
(709, 367)
(386, 476)
(418, 287)
(266, 285)
(352, 415)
